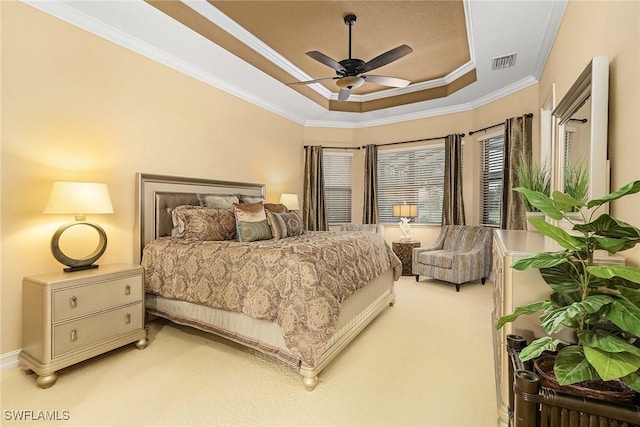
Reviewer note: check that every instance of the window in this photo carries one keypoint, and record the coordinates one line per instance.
(492, 159)
(337, 186)
(415, 176)
(569, 137)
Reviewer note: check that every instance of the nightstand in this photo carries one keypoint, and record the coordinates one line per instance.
(70, 317)
(404, 251)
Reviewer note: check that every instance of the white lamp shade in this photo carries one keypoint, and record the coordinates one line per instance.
(290, 201)
(79, 198)
(406, 211)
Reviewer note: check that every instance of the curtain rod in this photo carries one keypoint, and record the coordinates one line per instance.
(493, 126)
(388, 143)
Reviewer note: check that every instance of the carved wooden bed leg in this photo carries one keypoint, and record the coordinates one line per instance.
(309, 379)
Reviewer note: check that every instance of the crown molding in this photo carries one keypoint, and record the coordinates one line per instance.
(556, 14)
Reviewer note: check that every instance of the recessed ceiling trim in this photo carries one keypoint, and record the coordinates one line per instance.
(213, 14)
(394, 119)
(505, 91)
(444, 81)
(217, 17)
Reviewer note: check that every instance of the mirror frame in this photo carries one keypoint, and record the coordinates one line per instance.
(593, 82)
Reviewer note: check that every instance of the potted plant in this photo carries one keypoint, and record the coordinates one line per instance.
(534, 177)
(600, 303)
(576, 181)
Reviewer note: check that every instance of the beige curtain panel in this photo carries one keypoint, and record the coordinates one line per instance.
(370, 207)
(517, 142)
(453, 203)
(314, 214)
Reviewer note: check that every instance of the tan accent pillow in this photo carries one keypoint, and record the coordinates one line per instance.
(275, 207)
(283, 225)
(202, 223)
(244, 199)
(251, 222)
(278, 227)
(218, 201)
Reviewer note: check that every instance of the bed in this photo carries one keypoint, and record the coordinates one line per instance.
(299, 298)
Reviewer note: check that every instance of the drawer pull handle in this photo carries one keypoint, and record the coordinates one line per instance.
(73, 335)
(73, 301)
(127, 319)
(127, 290)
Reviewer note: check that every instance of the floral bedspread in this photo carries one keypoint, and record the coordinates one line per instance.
(298, 282)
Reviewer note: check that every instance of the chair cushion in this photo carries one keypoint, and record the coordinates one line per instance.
(441, 259)
(463, 238)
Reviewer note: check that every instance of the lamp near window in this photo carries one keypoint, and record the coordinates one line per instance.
(290, 201)
(78, 198)
(405, 212)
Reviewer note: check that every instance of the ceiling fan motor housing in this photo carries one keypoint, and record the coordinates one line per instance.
(352, 66)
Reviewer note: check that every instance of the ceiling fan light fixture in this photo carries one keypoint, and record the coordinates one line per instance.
(350, 82)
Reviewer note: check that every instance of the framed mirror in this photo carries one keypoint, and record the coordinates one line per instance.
(580, 163)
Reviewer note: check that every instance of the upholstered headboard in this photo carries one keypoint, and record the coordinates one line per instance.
(157, 195)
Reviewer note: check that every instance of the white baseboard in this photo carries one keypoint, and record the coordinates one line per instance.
(9, 360)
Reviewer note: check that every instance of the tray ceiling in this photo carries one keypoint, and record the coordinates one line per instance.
(252, 49)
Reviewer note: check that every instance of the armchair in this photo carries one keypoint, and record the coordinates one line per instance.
(460, 254)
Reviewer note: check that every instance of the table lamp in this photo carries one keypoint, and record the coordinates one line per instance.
(78, 198)
(290, 201)
(405, 212)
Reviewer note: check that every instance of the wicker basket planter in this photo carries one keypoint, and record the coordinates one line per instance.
(534, 404)
(611, 391)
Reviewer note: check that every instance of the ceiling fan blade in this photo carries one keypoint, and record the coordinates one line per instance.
(386, 80)
(343, 95)
(308, 82)
(387, 57)
(324, 59)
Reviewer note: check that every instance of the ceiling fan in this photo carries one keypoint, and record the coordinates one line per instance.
(350, 72)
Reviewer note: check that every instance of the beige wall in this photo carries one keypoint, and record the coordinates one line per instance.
(77, 107)
(612, 29)
(80, 108)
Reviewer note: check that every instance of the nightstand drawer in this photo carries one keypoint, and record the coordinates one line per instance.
(70, 336)
(78, 301)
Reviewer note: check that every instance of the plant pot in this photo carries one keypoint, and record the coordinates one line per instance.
(610, 391)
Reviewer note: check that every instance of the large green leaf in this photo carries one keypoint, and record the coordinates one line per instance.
(609, 244)
(563, 238)
(564, 279)
(609, 271)
(633, 381)
(523, 309)
(551, 320)
(605, 341)
(571, 366)
(608, 226)
(630, 294)
(630, 188)
(539, 346)
(565, 202)
(625, 315)
(541, 201)
(541, 260)
(611, 366)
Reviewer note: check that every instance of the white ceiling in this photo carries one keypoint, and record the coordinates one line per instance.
(495, 28)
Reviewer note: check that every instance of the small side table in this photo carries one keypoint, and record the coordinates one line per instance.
(404, 251)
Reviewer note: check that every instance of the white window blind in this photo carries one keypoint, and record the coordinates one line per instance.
(415, 176)
(569, 136)
(337, 186)
(492, 159)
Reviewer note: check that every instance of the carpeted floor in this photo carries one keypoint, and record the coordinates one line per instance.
(427, 361)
